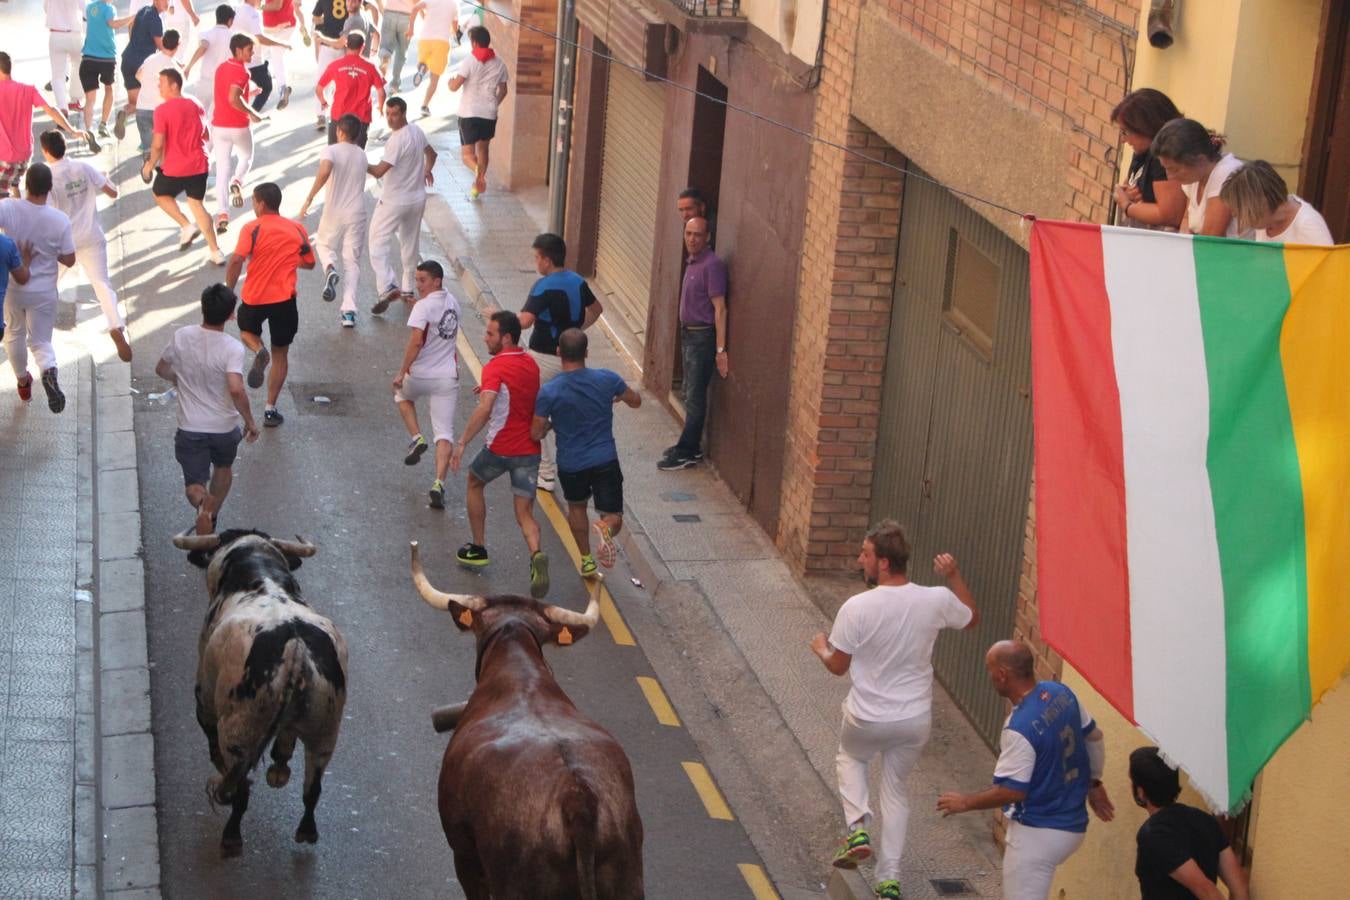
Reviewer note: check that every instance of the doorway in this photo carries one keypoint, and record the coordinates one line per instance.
(1326, 169)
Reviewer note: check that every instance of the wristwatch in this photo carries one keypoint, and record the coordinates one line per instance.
(721, 349)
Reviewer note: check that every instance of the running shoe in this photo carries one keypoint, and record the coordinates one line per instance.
(588, 567)
(539, 575)
(56, 400)
(473, 193)
(321, 124)
(608, 551)
(545, 483)
(395, 88)
(285, 97)
(120, 124)
(217, 258)
(437, 494)
(119, 339)
(222, 222)
(889, 890)
(144, 177)
(102, 129)
(260, 361)
(25, 389)
(419, 74)
(236, 195)
(389, 295)
(348, 319)
(92, 142)
(416, 448)
(472, 554)
(186, 235)
(675, 448)
(857, 848)
(426, 111)
(272, 418)
(330, 285)
(677, 460)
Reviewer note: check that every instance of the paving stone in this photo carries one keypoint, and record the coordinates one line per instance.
(86, 825)
(34, 883)
(86, 881)
(128, 772)
(125, 701)
(121, 640)
(121, 585)
(119, 535)
(113, 379)
(130, 851)
(23, 854)
(116, 450)
(114, 413)
(85, 761)
(118, 491)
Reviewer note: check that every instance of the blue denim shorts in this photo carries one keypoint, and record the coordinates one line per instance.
(488, 466)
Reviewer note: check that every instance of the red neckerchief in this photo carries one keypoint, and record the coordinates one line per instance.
(483, 54)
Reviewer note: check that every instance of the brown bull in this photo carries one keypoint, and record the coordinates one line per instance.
(536, 800)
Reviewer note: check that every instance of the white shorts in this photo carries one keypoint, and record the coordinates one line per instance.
(442, 395)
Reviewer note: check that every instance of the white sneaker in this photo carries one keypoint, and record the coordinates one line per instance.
(217, 258)
(186, 234)
(545, 482)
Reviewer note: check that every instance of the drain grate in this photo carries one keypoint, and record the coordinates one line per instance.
(678, 496)
(340, 399)
(687, 517)
(952, 887)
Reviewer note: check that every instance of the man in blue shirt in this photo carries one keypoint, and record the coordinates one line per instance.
(147, 36)
(98, 60)
(579, 405)
(14, 261)
(560, 299)
(1050, 761)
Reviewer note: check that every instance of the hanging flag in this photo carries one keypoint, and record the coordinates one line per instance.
(1192, 416)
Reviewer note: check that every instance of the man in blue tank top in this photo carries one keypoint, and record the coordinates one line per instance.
(1050, 762)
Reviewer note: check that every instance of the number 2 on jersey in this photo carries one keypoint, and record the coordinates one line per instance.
(1069, 738)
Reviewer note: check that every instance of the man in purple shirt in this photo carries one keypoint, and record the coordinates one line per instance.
(703, 340)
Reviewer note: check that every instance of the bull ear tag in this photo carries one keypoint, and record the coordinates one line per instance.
(564, 636)
(466, 619)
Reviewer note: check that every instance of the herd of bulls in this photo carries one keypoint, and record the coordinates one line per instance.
(536, 800)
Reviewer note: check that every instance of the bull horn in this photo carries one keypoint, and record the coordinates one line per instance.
(439, 599)
(291, 548)
(588, 619)
(190, 541)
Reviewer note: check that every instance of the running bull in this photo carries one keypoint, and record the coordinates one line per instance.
(536, 800)
(269, 670)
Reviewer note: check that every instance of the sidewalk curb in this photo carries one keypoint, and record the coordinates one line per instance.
(128, 857)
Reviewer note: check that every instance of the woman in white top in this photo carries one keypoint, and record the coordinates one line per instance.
(1192, 155)
(1261, 201)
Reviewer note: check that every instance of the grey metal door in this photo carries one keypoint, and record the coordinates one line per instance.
(954, 447)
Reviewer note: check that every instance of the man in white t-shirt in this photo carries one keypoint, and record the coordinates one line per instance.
(30, 307)
(483, 77)
(433, 43)
(884, 639)
(75, 189)
(149, 97)
(206, 367)
(405, 173)
(430, 369)
(213, 49)
(342, 227)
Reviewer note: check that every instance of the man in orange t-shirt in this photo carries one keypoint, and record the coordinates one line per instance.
(275, 247)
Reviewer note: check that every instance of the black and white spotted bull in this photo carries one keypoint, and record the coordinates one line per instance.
(269, 670)
(536, 799)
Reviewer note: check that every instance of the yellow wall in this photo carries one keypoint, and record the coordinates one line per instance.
(1243, 68)
(1301, 825)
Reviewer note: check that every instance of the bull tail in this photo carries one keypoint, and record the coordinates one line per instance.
(293, 665)
(581, 815)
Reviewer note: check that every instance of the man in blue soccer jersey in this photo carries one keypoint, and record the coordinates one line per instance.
(1050, 762)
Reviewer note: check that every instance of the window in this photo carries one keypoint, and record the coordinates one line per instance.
(972, 294)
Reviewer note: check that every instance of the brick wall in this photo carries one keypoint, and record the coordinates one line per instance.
(528, 54)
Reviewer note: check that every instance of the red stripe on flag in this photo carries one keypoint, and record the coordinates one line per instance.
(1083, 589)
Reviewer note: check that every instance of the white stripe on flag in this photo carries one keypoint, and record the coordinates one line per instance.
(1177, 631)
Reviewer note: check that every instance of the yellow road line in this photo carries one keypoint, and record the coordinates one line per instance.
(707, 791)
(759, 883)
(656, 698)
(618, 629)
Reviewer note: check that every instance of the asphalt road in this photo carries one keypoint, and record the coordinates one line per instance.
(334, 474)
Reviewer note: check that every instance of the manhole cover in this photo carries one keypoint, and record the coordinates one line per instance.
(319, 398)
(678, 496)
(687, 517)
(952, 887)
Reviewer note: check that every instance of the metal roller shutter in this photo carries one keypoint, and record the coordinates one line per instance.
(629, 182)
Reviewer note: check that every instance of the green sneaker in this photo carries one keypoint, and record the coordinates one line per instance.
(539, 575)
(857, 848)
(588, 567)
(437, 494)
(890, 890)
(472, 554)
(416, 448)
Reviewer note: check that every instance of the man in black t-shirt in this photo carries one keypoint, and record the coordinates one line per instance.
(1181, 849)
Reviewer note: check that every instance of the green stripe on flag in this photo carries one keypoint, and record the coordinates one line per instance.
(1258, 501)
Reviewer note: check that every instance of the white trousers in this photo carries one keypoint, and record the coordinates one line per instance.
(276, 56)
(225, 144)
(404, 221)
(64, 48)
(1030, 858)
(549, 368)
(93, 261)
(442, 395)
(900, 744)
(29, 320)
(348, 239)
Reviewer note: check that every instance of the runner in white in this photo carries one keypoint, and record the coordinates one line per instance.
(65, 44)
(213, 49)
(148, 98)
(342, 227)
(182, 18)
(405, 174)
(75, 189)
(433, 44)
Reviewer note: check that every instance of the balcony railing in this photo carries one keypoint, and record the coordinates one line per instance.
(710, 9)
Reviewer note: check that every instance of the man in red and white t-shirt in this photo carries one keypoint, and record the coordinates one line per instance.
(230, 134)
(352, 78)
(507, 390)
(179, 150)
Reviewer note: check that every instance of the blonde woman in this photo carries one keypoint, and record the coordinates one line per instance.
(1193, 156)
(1261, 201)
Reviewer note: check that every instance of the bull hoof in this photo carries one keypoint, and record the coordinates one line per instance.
(278, 775)
(231, 847)
(306, 836)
